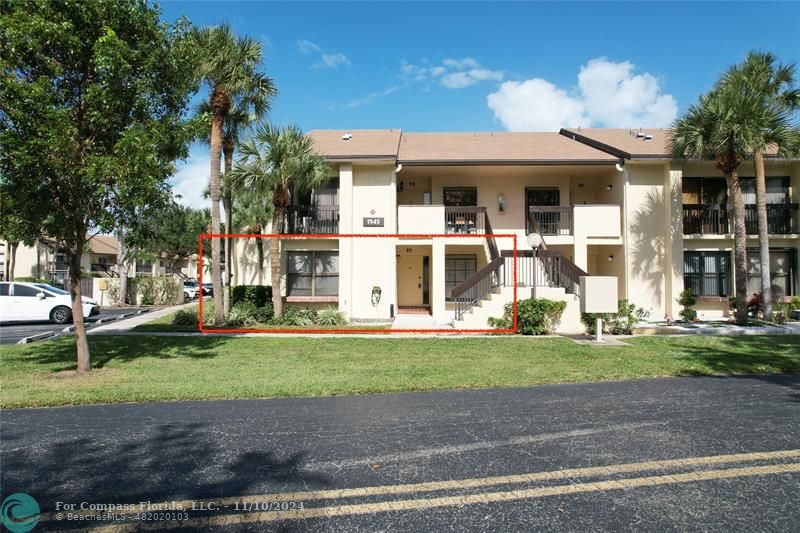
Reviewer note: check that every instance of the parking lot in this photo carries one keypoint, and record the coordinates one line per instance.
(12, 332)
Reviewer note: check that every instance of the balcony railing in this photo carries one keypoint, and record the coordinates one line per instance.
(459, 220)
(705, 220)
(550, 219)
(307, 219)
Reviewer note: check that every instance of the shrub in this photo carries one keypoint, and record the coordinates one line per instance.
(242, 314)
(331, 317)
(297, 317)
(619, 323)
(687, 299)
(258, 295)
(264, 314)
(535, 316)
(156, 290)
(185, 317)
(31, 279)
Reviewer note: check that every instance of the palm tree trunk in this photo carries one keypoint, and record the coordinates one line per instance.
(739, 247)
(81, 340)
(227, 203)
(122, 267)
(235, 266)
(217, 121)
(763, 233)
(12, 261)
(275, 262)
(260, 250)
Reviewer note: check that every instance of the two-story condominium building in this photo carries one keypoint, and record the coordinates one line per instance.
(602, 202)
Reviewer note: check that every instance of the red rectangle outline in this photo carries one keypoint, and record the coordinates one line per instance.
(331, 236)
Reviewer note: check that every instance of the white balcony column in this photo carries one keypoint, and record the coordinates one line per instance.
(438, 295)
(346, 244)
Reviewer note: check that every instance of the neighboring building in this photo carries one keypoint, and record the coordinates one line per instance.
(45, 260)
(606, 202)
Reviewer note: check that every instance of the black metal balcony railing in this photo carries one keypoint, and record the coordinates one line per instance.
(550, 219)
(465, 219)
(307, 219)
(705, 220)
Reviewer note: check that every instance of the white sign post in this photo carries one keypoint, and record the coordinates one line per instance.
(599, 295)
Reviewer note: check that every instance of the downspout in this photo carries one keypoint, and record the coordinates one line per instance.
(626, 230)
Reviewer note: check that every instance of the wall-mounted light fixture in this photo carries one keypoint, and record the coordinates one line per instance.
(376, 296)
(610, 258)
(609, 187)
(501, 203)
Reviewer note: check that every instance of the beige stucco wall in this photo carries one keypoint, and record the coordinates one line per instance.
(647, 236)
(511, 181)
(368, 190)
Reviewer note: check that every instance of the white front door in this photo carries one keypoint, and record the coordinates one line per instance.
(409, 280)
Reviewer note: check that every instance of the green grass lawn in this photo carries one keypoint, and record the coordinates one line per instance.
(143, 368)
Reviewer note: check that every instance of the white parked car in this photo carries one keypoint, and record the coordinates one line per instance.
(191, 290)
(39, 301)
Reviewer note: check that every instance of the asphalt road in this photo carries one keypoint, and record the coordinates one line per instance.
(11, 332)
(278, 452)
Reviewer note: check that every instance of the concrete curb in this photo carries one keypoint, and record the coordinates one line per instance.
(37, 337)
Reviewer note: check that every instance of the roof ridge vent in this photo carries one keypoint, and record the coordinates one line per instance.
(347, 136)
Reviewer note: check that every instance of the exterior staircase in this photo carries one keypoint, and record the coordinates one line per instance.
(540, 273)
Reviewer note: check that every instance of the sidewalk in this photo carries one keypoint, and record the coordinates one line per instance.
(125, 326)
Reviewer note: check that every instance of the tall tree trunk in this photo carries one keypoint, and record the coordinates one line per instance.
(12, 259)
(275, 262)
(260, 250)
(81, 340)
(122, 267)
(227, 204)
(763, 233)
(217, 121)
(235, 266)
(739, 246)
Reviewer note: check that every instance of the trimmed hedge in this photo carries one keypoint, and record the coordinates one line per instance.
(258, 295)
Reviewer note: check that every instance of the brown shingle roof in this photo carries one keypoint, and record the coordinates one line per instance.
(632, 143)
(502, 147)
(624, 142)
(363, 144)
(104, 244)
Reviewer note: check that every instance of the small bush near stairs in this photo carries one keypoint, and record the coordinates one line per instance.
(534, 316)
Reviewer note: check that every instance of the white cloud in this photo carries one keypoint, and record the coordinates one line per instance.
(451, 73)
(190, 181)
(335, 60)
(608, 94)
(535, 105)
(459, 80)
(306, 47)
(326, 59)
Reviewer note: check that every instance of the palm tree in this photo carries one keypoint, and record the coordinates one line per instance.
(252, 216)
(773, 86)
(719, 127)
(248, 107)
(228, 66)
(276, 162)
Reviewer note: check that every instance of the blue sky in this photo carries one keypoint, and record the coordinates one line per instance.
(491, 66)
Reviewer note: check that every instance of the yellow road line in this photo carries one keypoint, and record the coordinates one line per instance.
(470, 499)
(333, 494)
